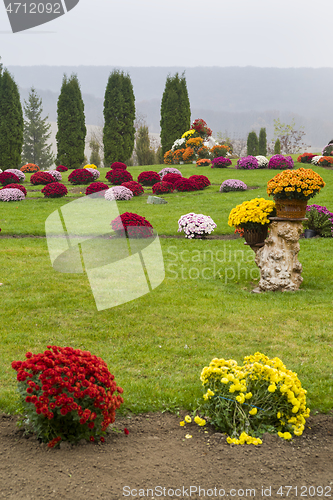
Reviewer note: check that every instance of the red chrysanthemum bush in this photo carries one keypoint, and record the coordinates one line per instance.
(9, 178)
(54, 190)
(172, 178)
(117, 176)
(305, 158)
(30, 168)
(148, 178)
(118, 165)
(67, 394)
(80, 176)
(162, 187)
(132, 226)
(95, 187)
(135, 187)
(41, 178)
(61, 168)
(186, 185)
(201, 180)
(17, 186)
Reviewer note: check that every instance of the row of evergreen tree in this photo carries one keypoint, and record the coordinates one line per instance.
(26, 141)
(258, 145)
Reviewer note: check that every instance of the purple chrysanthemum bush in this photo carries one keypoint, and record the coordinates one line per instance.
(118, 193)
(232, 185)
(196, 225)
(9, 194)
(168, 170)
(94, 172)
(17, 172)
(221, 162)
(248, 163)
(280, 162)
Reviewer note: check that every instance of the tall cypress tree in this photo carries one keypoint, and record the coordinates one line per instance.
(144, 152)
(71, 124)
(175, 111)
(11, 122)
(252, 144)
(119, 115)
(36, 133)
(262, 147)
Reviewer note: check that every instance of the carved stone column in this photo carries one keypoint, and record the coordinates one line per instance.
(280, 269)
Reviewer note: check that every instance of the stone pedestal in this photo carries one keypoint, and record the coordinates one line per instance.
(280, 269)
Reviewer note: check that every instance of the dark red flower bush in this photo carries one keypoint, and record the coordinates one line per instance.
(17, 186)
(132, 226)
(41, 178)
(61, 168)
(95, 187)
(80, 176)
(172, 178)
(135, 187)
(8, 178)
(54, 190)
(201, 180)
(67, 394)
(162, 187)
(118, 176)
(118, 165)
(305, 158)
(186, 185)
(148, 178)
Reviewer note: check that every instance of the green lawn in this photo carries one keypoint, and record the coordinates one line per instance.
(157, 345)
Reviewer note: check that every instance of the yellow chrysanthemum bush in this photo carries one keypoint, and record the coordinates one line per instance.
(252, 214)
(300, 184)
(246, 401)
(91, 165)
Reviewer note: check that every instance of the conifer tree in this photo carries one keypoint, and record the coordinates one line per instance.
(71, 124)
(36, 133)
(277, 147)
(144, 152)
(11, 122)
(262, 147)
(252, 144)
(175, 111)
(119, 116)
(95, 158)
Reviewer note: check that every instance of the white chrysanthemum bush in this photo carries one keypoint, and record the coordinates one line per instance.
(260, 396)
(196, 225)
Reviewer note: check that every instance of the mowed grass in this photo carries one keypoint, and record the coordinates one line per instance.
(157, 345)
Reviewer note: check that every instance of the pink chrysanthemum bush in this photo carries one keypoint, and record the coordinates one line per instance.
(246, 401)
(118, 193)
(8, 194)
(168, 170)
(196, 225)
(67, 394)
(221, 162)
(54, 190)
(135, 187)
(280, 162)
(247, 163)
(118, 176)
(232, 185)
(95, 173)
(56, 175)
(16, 186)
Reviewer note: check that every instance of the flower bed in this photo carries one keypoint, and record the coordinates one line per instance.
(56, 175)
(232, 185)
(30, 168)
(118, 165)
(54, 190)
(96, 187)
(135, 187)
(172, 178)
(325, 161)
(204, 162)
(305, 158)
(17, 172)
(95, 173)
(168, 170)
(42, 178)
(280, 162)
(201, 180)
(8, 178)
(247, 163)
(320, 219)
(80, 176)
(219, 150)
(260, 396)
(132, 226)
(184, 184)
(196, 225)
(8, 194)
(262, 161)
(119, 193)
(300, 184)
(162, 187)
(118, 176)
(61, 168)
(16, 186)
(148, 178)
(221, 162)
(67, 394)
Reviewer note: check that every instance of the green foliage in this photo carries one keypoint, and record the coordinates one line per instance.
(175, 111)
(262, 146)
(119, 115)
(144, 153)
(95, 158)
(11, 122)
(318, 222)
(71, 124)
(277, 147)
(252, 144)
(36, 134)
